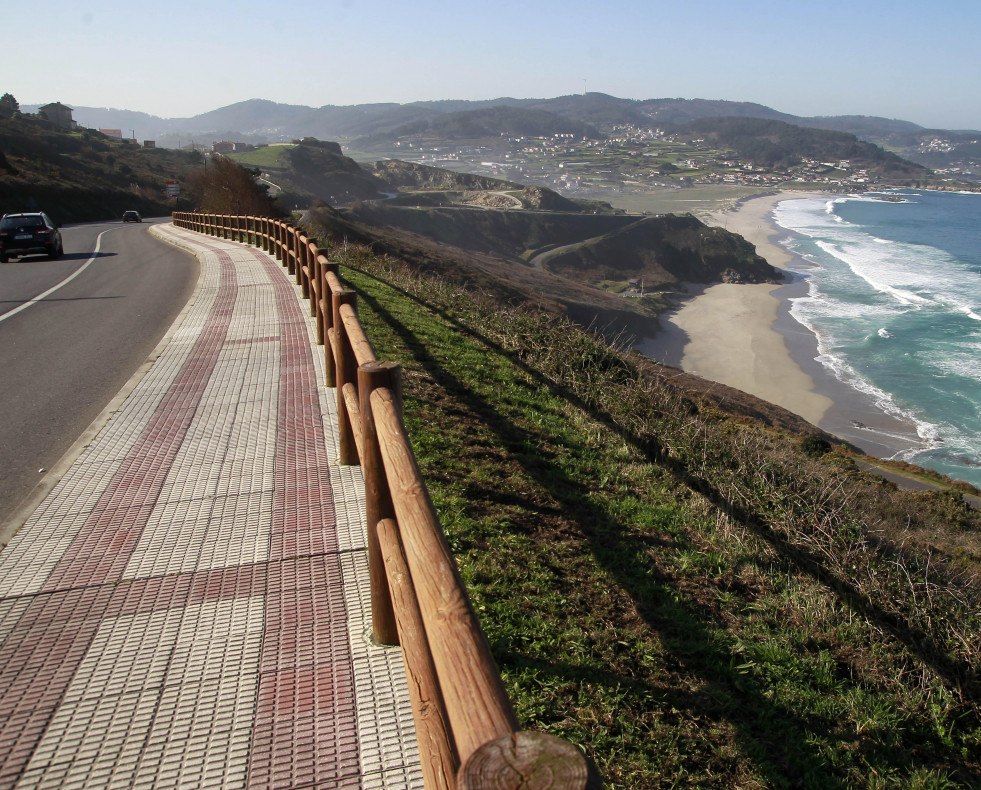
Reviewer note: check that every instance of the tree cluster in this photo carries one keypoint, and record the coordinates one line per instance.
(225, 187)
(8, 106)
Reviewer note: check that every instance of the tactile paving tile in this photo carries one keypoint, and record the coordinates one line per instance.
(204, 622)
(158, 692)
(11, 611)
(385, 725)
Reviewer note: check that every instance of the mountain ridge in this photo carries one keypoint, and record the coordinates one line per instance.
(258, 117)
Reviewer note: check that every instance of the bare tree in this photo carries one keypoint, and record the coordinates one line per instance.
(223, 186)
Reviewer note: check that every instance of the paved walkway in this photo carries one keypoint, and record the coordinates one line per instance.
(187, 607)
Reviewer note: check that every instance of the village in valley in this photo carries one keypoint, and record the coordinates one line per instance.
(632, 158)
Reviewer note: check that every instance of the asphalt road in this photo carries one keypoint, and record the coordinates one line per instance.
(65, 354)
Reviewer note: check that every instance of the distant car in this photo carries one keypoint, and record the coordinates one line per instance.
(132, 216)
(29, 234)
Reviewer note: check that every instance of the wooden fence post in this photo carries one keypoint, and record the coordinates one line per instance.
(295, 245)
(330, 375)
(378, 499)
(527, 759)
(302, 269)
(439, 760)
(346, 370)
(310, 253)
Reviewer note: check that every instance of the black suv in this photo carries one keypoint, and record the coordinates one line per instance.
(28, 234)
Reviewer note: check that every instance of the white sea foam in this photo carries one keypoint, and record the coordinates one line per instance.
(966, 365)
(912, 274)
(838, 366)
(894, 300)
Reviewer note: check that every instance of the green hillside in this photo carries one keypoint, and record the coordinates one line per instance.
(694, 585)
(266, 157)
(311, 171)
(83, 175)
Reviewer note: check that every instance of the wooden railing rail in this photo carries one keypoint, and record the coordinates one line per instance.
(468, 733)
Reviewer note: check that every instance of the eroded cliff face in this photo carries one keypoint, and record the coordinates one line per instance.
(664, 250)
(321, 171)
(586, 248)
(410, 175)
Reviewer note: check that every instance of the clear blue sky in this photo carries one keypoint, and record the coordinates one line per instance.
(918, 61)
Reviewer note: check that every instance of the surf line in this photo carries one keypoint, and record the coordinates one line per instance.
(63, 283)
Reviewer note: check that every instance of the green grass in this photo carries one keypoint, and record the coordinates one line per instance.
(267, 157)
(686, 596)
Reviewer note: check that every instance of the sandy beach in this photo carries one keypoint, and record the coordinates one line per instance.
(744, 336)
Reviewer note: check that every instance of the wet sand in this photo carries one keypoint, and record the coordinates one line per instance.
(744, 336)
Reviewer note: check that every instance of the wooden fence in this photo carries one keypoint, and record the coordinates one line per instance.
(468, 734)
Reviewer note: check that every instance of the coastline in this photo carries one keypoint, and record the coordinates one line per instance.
(745, 337)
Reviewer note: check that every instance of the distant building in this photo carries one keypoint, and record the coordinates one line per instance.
(58, 114)
(227, 147)
(149, 143)
(117, 133)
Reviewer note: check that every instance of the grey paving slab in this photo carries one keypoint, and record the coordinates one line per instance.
(170, 614)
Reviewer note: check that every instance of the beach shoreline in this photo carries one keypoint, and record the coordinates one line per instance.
(744, 336)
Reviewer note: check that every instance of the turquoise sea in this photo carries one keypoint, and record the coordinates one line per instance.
(894, 298)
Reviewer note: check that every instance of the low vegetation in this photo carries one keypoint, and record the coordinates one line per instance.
(83, 175)
(695, 586)
(225, 187)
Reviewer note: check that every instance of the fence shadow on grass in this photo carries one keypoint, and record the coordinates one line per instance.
(765, 728)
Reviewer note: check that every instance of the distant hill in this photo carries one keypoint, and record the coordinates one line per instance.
(779, 145)
(486, 122)
(312, 170)
(604, 111)
(378, 127)
(275, 122)
(320, 169)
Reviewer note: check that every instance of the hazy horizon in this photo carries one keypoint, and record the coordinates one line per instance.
(213, 109)
(836, 57)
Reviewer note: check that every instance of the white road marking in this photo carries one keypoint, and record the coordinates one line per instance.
(68, 279)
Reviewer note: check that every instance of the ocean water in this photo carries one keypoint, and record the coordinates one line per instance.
(894, 298)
